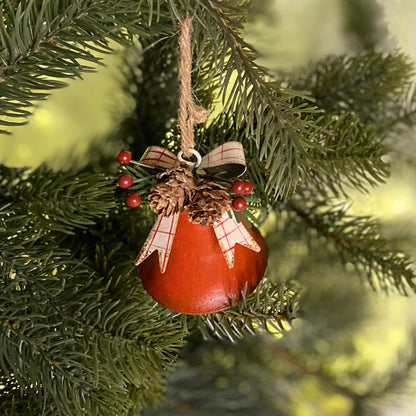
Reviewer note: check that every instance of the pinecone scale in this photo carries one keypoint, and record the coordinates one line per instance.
(210, 201)
(173, 191)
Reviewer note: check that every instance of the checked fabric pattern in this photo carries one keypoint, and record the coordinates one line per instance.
(159, 157)
(160, 239)
(229, 232)
(230, 153)
(228, 156)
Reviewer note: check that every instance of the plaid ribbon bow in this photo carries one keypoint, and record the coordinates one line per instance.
(226, 160)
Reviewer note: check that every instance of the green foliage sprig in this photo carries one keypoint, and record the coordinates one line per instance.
(271, 308)
(352, 156)
(363, 85)
(88, 341)
(78, 334)
(44, 42)
(55, 201)
(277, 128)
(358, 242)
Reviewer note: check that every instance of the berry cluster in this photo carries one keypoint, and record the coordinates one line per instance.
(124, 181)
(240, 187)
(133, 199)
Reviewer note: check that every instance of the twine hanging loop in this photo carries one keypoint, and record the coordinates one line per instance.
(189, 113)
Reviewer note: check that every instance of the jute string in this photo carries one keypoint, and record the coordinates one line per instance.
(189, 113)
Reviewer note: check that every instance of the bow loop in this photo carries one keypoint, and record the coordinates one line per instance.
(227, 160)
(159, 158)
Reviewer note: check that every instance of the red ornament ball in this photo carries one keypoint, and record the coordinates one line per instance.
(238, 187)
(239, 204)
(125, 181)
(133, 200)
(248, 188)
(197, 279)
(124, 157)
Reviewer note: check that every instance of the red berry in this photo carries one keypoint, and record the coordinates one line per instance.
(133, 200)
(238, 187)
(248, 188)
(125, 181)
(239, 204)
(124, 157)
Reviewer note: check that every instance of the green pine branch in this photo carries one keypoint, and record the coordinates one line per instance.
(225, 63)
(351, 156)
(358, 242)
(363, 85)
(45, 41)
(56, 201)
(400, 114)
(82, 339)
(347, 155)
(270, 308)
(78, 335)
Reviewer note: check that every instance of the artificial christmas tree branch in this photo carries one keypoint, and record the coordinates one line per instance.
(367, 164)
(401, 114)
(78, 333)
(55, 285)
(363, 84)
(352, 152)
(358, 241)
(43, 42)
(271, 309)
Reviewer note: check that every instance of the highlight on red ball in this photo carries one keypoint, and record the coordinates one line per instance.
(239, 204)
(124, 157)
(240, 187)
(125, 181)
(248, 188)
(133, 200)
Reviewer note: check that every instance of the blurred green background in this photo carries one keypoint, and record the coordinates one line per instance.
(288, 34)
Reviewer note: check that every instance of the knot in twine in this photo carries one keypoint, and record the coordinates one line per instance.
(190, 114)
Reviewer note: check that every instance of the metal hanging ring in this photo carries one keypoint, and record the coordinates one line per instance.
(192, 164)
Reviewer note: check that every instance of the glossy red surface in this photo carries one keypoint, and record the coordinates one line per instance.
(247, 188)
(197, 279)
(124, 157)
(239, 204)
(238, 187)
(133, 200)
(125, 181)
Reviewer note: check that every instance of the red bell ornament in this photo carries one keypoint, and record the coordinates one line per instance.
(197, 278)
(198, 258)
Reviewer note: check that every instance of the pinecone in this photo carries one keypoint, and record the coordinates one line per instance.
(172, 192)
(209, 203)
